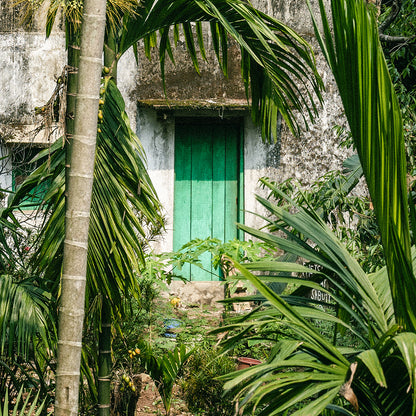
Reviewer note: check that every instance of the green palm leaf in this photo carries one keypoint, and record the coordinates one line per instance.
(24, 314)
(277, 64)
(124, 203)
(324, 368)
(357, 62)
(382, 381)
(367, 304)
(324, 249)
(28, 405)
(164, 369)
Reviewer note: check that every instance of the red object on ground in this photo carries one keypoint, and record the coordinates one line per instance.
(245, 362)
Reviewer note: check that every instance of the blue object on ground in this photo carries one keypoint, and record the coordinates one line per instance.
(171, 324)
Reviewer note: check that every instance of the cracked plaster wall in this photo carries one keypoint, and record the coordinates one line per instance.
(30, 65)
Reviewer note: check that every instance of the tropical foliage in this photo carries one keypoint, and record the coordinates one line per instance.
(396, 23)
(336, 199)
(276, 65)
(131, 197)
(28, 406)
(202, 389)
(164, 369)
(308, 373)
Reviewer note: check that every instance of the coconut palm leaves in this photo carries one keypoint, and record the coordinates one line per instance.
(277, 64)
(124, 204)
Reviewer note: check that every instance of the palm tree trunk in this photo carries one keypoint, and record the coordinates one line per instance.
(104, 336)
(104, 361)
(71, 311)
(73, 63)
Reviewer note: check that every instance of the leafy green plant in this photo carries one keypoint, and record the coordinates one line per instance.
(307, 374)
(202, 390)
(397, 21)
(350, 216)
(240, 250)
(374, 116)
(164, 369)
(312, 367)
(152, 279)
(28, 406)
(27, 314)
(195, 330)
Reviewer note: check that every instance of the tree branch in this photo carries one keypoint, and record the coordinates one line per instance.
(394, 13)
(397, 39)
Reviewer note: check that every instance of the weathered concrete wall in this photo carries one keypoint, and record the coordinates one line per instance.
(127, 83)
(293, 13)
(30, 66)
(182, 80)
(306, 157)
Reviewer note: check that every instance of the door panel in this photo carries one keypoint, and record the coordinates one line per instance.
(206, 186)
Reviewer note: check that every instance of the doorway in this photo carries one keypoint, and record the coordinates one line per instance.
(208, 185)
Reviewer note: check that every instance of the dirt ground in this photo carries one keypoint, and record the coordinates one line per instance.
(149, 402)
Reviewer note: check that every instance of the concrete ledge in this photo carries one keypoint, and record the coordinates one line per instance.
(198, 293)
(194, 104)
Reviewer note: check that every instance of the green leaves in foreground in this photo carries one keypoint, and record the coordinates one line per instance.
(164, 369)
(124, 206)
(366, 364)
(344, 353)
(371, 106)
(24, 314)
(29, 406)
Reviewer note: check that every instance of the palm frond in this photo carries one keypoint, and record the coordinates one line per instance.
(124, 205)
(24, 314)
(320, 246)
(278, 66)
(308, 371)
(306, 368)
(357, 62)
(28, 405)
(124, 202)
(72, 11)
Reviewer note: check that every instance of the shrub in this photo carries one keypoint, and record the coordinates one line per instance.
(203, 392)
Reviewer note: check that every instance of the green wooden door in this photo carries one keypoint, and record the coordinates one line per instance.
(207, 170)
